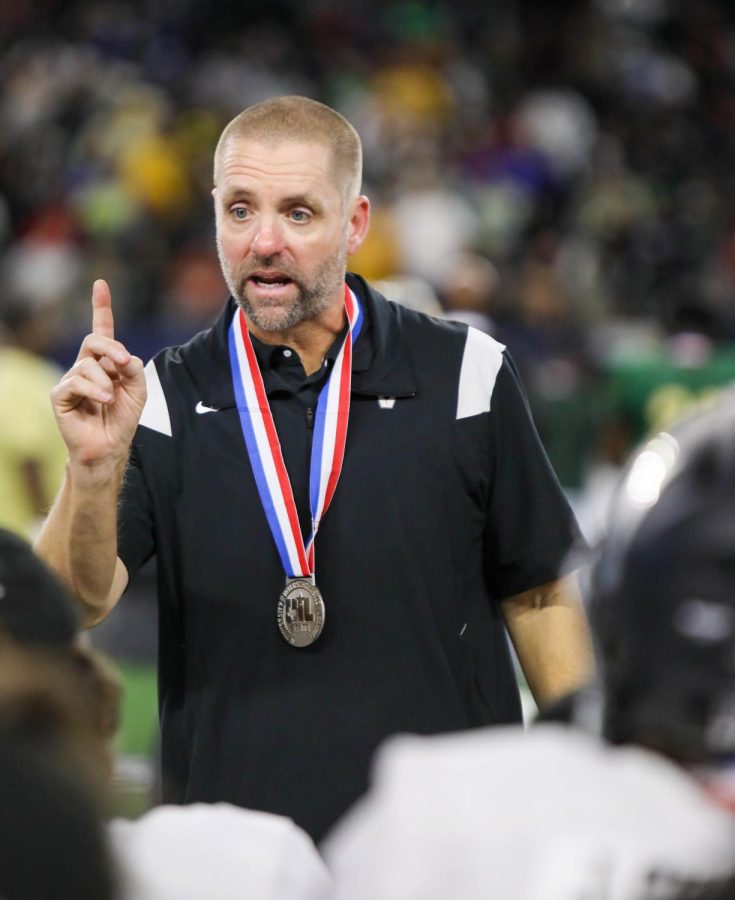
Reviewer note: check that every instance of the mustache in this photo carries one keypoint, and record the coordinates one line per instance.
(264, 263)
(264, 267)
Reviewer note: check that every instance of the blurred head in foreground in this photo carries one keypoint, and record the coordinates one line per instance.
(53, 839)
(43, 653)
(662, 600)
(35, 609)
(58, 712)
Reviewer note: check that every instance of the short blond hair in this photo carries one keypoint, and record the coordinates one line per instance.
(294, 118)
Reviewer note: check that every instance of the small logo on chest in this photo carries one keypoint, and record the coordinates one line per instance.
(386, 402)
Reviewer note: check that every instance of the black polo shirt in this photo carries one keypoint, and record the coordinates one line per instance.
(446, 504)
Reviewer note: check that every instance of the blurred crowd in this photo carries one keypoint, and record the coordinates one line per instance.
(559, 175)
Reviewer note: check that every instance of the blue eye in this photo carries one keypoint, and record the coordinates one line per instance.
(299, 215)
(239, 212)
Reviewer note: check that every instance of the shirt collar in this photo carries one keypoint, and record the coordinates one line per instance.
(268, 353)
(381, 364)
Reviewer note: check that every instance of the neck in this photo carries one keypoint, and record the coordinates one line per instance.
(310, 339)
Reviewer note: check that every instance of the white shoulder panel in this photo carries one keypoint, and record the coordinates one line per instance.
(155, 412)
(483, 356)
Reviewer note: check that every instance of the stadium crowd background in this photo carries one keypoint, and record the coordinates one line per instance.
(561, 174)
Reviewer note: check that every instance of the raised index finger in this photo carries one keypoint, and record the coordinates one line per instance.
(103, 322)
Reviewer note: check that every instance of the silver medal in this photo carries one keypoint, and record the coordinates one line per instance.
(300, 612)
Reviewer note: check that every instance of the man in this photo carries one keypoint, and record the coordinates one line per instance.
(648, 813)
(285, 661)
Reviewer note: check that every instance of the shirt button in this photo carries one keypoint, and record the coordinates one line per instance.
(287, 352)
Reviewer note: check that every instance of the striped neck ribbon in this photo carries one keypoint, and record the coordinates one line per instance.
(264, 448)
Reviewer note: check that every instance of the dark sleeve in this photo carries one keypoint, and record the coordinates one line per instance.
(531, 528)
(135, 533)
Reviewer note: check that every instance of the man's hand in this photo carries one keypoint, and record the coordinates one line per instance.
(99, 401)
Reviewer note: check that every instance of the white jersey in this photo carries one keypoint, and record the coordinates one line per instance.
(548, 814)
(216, 851)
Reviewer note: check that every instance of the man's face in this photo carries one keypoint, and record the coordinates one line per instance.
(283, 234)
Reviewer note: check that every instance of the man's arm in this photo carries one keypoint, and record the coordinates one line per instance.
(549, 631)
(78, 540)
(97, 405)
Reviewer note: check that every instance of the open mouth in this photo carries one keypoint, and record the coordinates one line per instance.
(269, 280)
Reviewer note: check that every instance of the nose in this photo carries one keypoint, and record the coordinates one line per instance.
(268, 238)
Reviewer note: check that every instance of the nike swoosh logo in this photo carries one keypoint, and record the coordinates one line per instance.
(201, 408)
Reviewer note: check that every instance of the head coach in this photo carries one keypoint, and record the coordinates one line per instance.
(348, 501)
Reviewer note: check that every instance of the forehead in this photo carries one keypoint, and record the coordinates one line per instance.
(247, 164)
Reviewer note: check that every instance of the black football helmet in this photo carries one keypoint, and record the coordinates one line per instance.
(661, 598)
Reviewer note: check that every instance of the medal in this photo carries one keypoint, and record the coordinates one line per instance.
(300, 610)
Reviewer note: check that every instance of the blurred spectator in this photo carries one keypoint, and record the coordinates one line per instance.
(562, 126)
(468, 291)
(191, 299)
(433, 222)
(414, 293)
(32, 458)
(379, 257)
(548, 342)
(686, 368)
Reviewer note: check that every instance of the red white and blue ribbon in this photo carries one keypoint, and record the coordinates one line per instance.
(264, 448)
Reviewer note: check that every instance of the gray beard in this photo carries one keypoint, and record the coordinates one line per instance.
(309, 302)
(311, 299)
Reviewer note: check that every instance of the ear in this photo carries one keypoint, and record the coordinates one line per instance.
(358, 223)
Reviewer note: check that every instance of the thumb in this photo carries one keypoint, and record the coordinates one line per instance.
(134, 368)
